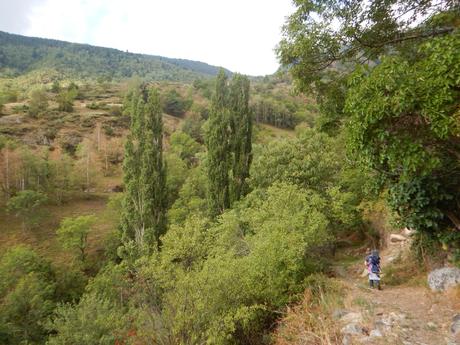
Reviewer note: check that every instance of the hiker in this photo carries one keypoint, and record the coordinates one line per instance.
(373, 268)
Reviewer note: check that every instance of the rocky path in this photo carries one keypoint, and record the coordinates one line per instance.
(397, 316)
(401, 315)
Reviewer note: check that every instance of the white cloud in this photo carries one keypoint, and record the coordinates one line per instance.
(239, 34)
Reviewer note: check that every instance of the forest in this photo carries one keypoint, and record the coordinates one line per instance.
(20, 54)
(147, 200)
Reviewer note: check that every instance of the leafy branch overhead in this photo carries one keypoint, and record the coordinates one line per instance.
(387, 73)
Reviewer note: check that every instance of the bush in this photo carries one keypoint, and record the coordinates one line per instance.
(65, 100)
(55, 87)
(38, 102)
(185, 147)
(93, 106)
(108, 130)
(116, 110)
(100, 317)
(9, 95)
(25, 204)
(26, 296)
(193, 127)
(174, 104)
(92, 321)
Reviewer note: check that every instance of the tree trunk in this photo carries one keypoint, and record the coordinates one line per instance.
(87, 172)
(7, 158)
(98, 137)
(454, 219)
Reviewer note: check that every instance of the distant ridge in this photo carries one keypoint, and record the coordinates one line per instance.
(21, 54)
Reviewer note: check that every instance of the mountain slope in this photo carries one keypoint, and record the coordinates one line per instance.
(21, 54)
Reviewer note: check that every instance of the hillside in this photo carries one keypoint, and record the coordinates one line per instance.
(21, 54)
(97, 124)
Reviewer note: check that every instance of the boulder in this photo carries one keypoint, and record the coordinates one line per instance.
(444, 278)
(397, 238)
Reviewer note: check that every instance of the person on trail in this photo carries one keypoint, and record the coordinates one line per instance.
(373, 269)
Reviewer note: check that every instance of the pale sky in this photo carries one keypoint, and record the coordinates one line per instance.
(237, 34)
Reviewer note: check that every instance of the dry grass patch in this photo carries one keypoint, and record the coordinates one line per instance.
(310, 322)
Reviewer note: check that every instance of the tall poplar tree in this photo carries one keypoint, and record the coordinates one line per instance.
(144, 211)
(217, 142)
(229, 142)
(241, 136)
(153, 169)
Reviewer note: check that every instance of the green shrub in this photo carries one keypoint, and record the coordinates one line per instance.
(25, 206)
(65, 100)
(175, 104)
(26, 296)
(38, 102)
(193, 127)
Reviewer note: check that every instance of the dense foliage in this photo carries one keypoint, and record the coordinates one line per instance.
(387, 73)
(27, 296)
(411, 131)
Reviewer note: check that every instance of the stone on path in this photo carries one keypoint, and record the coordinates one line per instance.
(444, 278)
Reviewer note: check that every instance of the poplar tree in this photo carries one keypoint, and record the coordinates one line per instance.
(217, 142)
(144, 211)
(229, 142)
(241, 136)
(153, 170)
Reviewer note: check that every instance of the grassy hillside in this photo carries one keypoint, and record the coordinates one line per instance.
(20, 54)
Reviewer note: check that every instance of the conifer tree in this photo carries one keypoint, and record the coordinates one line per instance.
(144, 211)
(241, 136)
(217, 142)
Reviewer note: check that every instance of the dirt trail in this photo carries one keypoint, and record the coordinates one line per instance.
(403, 315)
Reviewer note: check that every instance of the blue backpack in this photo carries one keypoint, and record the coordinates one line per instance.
(374, 262)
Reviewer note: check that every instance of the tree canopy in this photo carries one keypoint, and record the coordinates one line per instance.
(387, 72)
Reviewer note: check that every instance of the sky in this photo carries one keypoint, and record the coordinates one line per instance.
(239, 34)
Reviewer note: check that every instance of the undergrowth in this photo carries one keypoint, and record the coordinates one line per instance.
(407, 271)
(310, 322)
